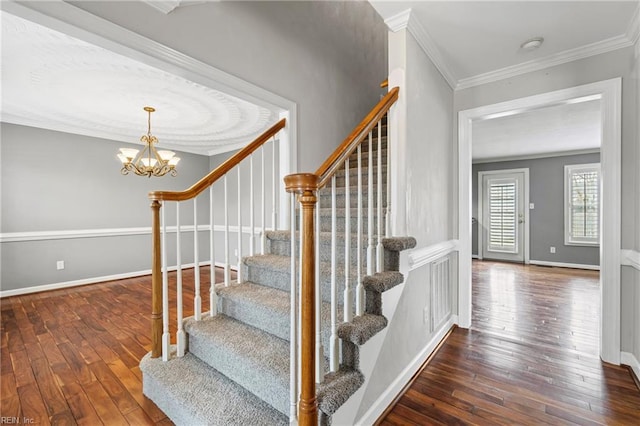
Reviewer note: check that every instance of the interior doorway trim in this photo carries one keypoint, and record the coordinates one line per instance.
(610, 93)
(78, 23)
(526, 228)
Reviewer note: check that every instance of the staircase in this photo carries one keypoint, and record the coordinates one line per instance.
(237, 365)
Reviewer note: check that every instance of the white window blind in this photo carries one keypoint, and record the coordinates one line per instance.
(503, 219)
(582, 211)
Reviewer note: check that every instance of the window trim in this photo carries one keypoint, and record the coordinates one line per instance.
(569, 170)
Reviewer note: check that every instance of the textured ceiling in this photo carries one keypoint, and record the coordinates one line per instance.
(559, 128)
(53, 81)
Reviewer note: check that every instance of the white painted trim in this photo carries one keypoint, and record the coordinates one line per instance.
(425, 255)
(164, 6)
(93, 280)
(564, 265)
(629, 359)
(630, 258)
(399, 21)
(610, 159)
(404, 20)
(569, 169)
(392, 391)
(475, 256)
(537, 156)
(480, 216)
(13, 237)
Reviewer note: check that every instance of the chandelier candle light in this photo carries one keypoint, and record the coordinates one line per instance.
(148, 162)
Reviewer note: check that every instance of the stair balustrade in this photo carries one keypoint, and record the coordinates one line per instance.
(160, 316)
(307, 316)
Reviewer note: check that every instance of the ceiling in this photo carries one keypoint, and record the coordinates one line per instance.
(556, 129)
(474, 42)
(53, 81)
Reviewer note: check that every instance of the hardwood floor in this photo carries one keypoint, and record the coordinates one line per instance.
(531, 357)
(71, 356)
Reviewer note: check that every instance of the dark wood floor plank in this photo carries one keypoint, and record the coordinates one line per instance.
(530, 357)
(71, 356)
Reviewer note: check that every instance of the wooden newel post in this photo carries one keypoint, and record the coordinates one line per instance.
(156, 282)
(306, 185)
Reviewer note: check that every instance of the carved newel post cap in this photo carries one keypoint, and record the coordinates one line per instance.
(301, 182)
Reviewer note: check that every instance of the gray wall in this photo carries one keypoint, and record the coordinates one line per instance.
(328, 57)
(429, 159)
(619, 63)
(546, 221)
(42, 191)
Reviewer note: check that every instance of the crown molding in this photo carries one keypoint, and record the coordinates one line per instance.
(404, 20)
(614, 43)
(536, 156)
(399, 21)
(164, 6)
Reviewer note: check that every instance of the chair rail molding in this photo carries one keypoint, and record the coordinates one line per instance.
(14, 237)
(425, 255)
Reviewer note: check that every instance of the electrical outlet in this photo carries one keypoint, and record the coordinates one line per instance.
(532, 206)
(60, 264)
(552, 250)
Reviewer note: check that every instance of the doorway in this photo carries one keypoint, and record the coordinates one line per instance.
(502, 226)
(609, 92)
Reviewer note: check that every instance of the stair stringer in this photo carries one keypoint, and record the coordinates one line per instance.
(370, 351)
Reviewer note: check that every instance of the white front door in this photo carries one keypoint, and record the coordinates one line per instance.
(503, 216)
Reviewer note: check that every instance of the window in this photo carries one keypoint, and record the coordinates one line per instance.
(582, 204)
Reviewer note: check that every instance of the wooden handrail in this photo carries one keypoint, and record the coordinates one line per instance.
(385, 83)
(220, 171)
(335, 160)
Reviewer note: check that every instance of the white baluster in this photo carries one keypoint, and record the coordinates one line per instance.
(274, 214)
(293, 330)
(333, 341)
(213, 296)
(197, 300)
(370, 247)
(180, 336)
(319, 346)
(263, 208)
(239, 271)
(379, 248)
(166, 338)
(252, 216)
(348, 314)
(227, 265)
(359, 287)
(387, 228)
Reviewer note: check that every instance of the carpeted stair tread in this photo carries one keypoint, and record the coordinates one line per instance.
(399, 243)
(255, 359)
(337, 387)
(191, 392)
(267, 309)
(382, 281)
(361, 328)
(260, 306)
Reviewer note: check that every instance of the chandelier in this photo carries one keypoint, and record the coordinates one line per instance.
(148, 162)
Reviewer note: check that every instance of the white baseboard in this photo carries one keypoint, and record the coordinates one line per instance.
(93, 280)
(475, 256)
(564, 265)
(392, 391)
(629, 359)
